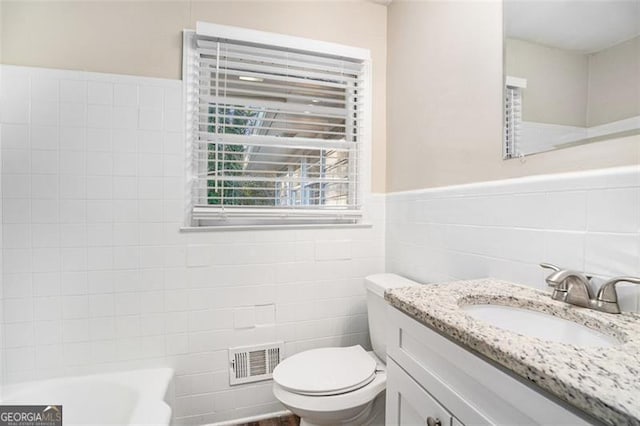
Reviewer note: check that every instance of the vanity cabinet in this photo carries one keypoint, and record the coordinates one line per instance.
(430, 379)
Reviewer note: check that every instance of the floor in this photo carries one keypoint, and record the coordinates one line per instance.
(291, 420)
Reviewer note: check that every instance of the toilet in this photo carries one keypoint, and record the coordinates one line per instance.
(345, 385)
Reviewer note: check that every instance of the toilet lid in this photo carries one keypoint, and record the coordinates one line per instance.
(326, 371)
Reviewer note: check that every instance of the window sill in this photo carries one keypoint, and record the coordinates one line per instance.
(223, 228)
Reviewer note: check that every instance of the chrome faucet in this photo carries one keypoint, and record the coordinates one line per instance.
(574, 287)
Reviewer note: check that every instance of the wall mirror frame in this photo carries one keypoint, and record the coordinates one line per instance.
(571, 73)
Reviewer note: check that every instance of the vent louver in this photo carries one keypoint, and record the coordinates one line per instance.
(254, 363)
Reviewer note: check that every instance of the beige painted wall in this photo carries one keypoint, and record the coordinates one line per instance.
(444, 101)
(614, 83)
(557, 82)
(144, 37)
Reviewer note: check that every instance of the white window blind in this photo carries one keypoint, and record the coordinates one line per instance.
(277, 133)
(513, 115)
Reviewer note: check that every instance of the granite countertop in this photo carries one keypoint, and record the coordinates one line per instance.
(604, 382)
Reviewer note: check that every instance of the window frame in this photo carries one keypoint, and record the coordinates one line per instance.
(354, 218)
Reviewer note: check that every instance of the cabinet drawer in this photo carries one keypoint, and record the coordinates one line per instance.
(410, 404)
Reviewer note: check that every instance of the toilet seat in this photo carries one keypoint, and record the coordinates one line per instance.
(326, 371)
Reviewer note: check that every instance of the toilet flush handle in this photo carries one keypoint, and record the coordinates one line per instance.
(431, 421)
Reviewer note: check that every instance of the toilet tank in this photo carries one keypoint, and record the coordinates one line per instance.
(377, 308)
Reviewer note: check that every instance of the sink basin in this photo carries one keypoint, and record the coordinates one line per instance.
(539, 325)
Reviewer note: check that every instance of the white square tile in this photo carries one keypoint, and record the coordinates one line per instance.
(173, 97)
(72, 138)
(101, 305)
(99, 164)
(44, 211)
(75, 307)
(73, 91)
(98, 140)
(48, 333)
(15, 136)
(99, 116)
(102, 328)
(150, 188)
(73, 211)
(150, 119)
(125, 210)
(100, 282)
(125, 140)
(101, 188)
(18, 334)
(99, 211)
(150, 165)
(16, 112)
(16, 186)
(16, 236)
(126, 257)
(614, 210)
(150, 141)
(244, 317)
(47, 308)
(99, 93)
(18, 310)
(17, 285)
(73, 187)
(75, 330)
(151, 211)
(45, 235)
(44, 113)
(125, 188)
(612, 255)
(73, 114)
(151, 257)
(173, 165)
(74, 283)
(74, 259)
(73, 235)
(44, 137)
(16, 161)
(127, 304)
(151, 96)
(125, 118)
(72, 162)
(173, 143)
(99, 234)
(125, 95)
(46, 284)
(43, 187)
(174, 120)
(20, 359)
(44, 89)
(125, 164)
(99, 258)
(75, 353)
(45, 259)
(42, 162)
(16, 210)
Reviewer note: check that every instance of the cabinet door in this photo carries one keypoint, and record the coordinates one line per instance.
(408, 403)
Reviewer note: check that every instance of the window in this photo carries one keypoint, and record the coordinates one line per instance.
(277, 128)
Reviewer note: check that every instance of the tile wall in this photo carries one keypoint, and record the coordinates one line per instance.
(97, 275)
(589, 221)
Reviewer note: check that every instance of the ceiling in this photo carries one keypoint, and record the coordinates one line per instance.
(581, 25)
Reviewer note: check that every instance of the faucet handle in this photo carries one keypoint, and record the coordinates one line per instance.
(552, 267)
(607, 292)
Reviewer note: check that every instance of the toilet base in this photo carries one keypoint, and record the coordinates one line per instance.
(370, 415)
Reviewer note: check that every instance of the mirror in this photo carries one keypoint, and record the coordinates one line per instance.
(572, 73)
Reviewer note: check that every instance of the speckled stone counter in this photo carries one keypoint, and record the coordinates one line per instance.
(603, 382)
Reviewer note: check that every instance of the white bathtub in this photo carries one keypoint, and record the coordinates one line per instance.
(139, 397)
